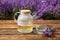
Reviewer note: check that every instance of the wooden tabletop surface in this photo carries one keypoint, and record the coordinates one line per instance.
(8, 31)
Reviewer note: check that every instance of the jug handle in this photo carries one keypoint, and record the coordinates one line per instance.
(15, 15)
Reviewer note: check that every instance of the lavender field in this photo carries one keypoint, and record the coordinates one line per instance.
(43, 9)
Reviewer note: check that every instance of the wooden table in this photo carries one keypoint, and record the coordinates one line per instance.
(8, 30)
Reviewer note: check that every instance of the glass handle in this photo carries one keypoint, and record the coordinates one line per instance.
(15, 16)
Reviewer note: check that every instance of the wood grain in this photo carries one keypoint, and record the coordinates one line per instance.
(8, 31)
(13, 24)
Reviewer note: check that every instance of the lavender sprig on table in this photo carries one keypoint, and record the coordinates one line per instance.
(44, 30)
(48, 32)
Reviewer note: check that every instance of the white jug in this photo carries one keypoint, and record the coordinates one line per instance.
(24, 21)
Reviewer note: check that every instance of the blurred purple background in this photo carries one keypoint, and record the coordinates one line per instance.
(38, 6)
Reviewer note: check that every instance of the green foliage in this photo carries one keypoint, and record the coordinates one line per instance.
(48, 15)
(9, 15)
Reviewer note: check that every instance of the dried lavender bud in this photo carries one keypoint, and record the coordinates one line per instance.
(49, 29)
(47, 32)
(44, 33)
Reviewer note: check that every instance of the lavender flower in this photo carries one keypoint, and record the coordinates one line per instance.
(38, 6)
(48, 32)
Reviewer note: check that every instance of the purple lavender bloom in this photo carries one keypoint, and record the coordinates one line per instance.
(48, 32)
(38, 6)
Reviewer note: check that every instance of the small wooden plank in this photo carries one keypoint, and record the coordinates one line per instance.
(13, 24)
(22, 37)
(13, 31)
(27, 37)
(46, 21)
(35, 21)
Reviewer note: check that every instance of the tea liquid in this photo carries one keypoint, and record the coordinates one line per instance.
(25, 29)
